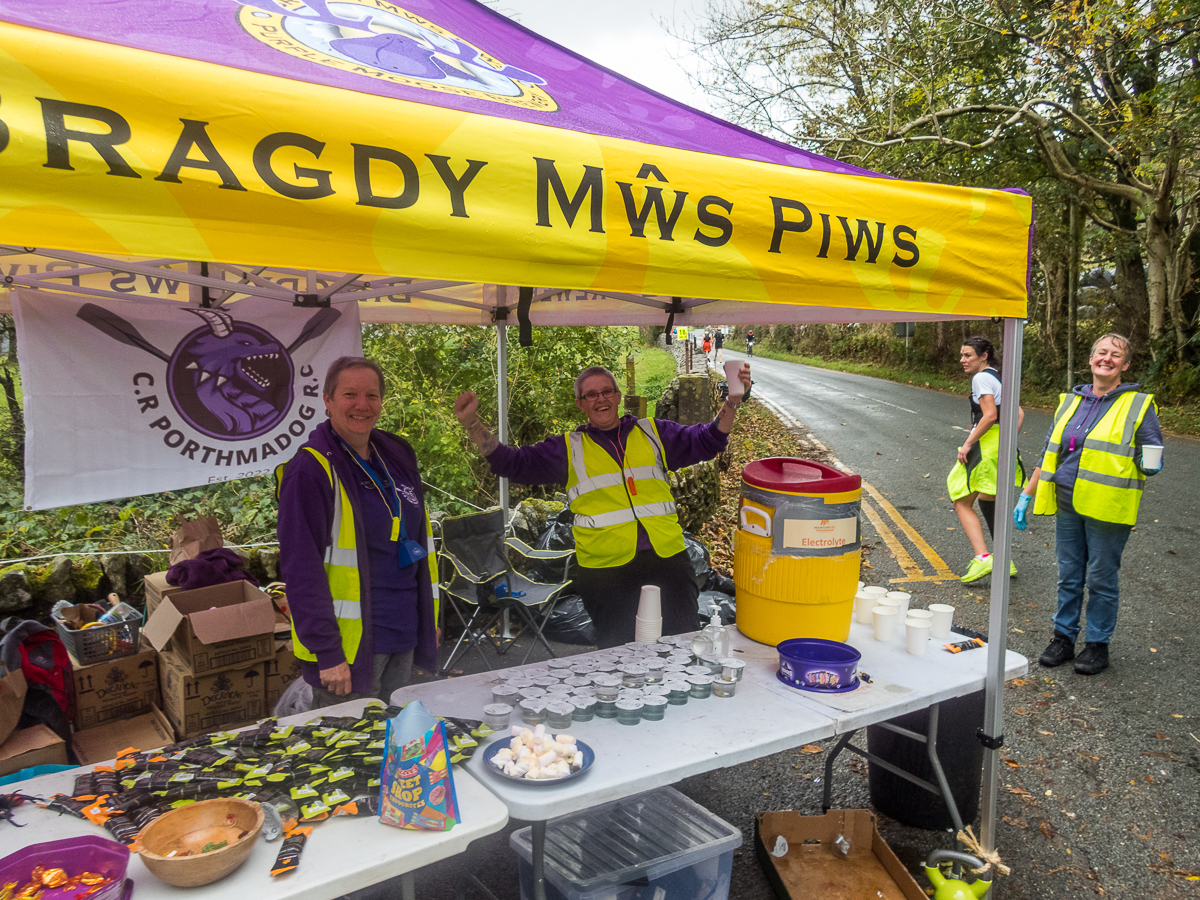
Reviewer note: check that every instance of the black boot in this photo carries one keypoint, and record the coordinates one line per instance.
(1061, 650)
(1093, 660)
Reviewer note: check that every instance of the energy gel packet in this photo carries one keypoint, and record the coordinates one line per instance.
(289, 854)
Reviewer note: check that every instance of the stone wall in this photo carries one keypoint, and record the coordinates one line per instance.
(29, 590)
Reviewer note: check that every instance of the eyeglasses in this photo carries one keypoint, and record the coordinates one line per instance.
(607, 394)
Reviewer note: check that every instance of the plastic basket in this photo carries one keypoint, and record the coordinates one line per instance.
(100, 642)
(75, 856)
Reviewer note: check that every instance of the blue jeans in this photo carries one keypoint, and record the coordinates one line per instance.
(1089, 551)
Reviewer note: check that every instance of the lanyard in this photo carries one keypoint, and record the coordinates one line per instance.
(385, 486)
(619, 446)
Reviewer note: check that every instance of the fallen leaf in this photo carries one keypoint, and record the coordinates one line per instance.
(926, 475)
(1014, 790)
(1013, 763)
(1048, 831)
(1149, 779)
(1021, 712)
(1019, 682)
(811, 748)
(1046, 733)
(1162, 737)
(877, 453)
(1157, 754)
(1153, 649)
(1016, 823)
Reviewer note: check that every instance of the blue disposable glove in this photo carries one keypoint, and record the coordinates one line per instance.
(1019, 514)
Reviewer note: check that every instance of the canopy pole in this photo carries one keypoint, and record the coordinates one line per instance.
(502, 401)
(991, 735)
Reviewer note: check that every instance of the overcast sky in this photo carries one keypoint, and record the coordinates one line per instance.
(627, 36)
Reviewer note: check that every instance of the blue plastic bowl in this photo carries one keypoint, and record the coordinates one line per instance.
(816, 664)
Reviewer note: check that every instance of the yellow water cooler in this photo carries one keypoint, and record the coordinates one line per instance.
(797, 551)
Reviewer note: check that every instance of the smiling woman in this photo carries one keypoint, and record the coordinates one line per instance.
(354, 547)
(627, 533)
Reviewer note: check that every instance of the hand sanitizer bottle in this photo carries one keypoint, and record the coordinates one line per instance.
(719, 635)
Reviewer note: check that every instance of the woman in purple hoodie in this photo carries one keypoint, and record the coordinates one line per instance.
(355, 549)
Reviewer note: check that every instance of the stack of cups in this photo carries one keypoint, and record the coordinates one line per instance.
(648, 627)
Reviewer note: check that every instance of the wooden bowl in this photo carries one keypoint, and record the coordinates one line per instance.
(172, 846)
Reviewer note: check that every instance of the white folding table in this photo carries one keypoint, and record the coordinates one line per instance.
(763, 717)
(341, 855)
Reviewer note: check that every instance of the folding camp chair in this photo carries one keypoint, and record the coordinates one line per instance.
(479, 578)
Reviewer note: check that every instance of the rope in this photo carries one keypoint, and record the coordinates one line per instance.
(991, 859)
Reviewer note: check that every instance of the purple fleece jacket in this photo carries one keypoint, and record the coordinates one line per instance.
(305, 520)
(546, 462)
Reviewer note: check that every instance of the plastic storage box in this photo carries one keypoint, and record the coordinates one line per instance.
(75, 855)
(659, 844)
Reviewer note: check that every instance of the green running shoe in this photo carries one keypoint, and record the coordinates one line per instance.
(979, 568)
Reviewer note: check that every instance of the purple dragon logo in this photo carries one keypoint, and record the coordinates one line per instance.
(229, 380)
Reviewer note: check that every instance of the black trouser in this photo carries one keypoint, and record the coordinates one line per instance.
(611, 595)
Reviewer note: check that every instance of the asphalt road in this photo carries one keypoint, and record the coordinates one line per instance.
(1100, 794)
(1110, 764)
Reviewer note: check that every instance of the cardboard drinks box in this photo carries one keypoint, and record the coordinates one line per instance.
(281, 671)
(12, 702)
(36, 746)
(812, 865)
(158, 587)
(227, 626)
(198, 704)
(145, 732)
(115, 689)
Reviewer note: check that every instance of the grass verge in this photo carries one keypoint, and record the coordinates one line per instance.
(654, 369)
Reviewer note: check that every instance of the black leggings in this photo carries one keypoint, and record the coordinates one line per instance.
(988, 508)
(611, 595)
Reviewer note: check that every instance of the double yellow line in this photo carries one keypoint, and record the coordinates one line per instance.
(912, 571)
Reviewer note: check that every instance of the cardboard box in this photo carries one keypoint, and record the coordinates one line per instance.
(36, 746)
(813, 867)
(12, 701)
(145, 732)
(227, 626)
(158, 587)
(198, 704)
(116, 689)
(281, 671)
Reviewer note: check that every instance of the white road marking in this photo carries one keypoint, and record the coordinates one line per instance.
(885, 403)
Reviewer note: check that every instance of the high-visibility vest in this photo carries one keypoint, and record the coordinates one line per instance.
(1109, 484)
(607, 509)
(341, 568)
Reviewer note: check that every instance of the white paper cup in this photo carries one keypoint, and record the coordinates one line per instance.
(916, 635)
(861, 585)
(732, 372)
(875, 591)
(650, 606)
(903, 596)
(863, 604)
(943, 618)
(647, 631)
(892, 603)
(885, 618)
(1151, 455)
(919, 615)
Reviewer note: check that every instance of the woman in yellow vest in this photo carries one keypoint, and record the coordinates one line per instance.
(354, 545)
(1097, 456)
(615, 468)
(973, 476)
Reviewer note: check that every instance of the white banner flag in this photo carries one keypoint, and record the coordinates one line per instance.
(128, 398)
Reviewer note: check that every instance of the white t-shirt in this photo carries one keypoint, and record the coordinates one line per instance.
(985, 383)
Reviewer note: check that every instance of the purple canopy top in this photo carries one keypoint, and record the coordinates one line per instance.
(456, 54)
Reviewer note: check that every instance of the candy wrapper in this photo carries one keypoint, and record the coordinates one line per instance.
(417, 789)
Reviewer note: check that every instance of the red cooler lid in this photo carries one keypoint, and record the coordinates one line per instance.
(783, 473)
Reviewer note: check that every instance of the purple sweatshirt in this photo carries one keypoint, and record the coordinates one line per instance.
(305, 520)
(546, 462)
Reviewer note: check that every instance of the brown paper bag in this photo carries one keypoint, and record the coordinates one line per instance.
(194, 537)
